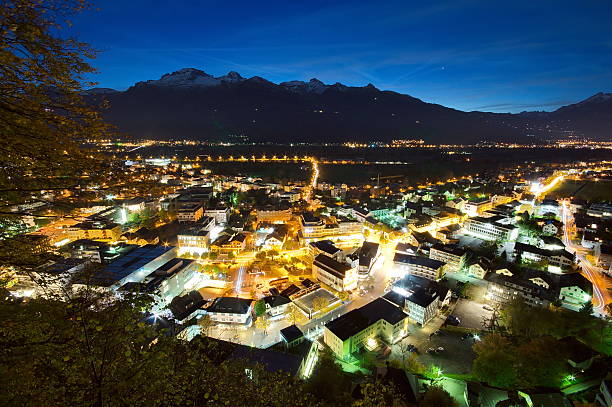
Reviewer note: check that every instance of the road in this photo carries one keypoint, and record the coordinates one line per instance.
(378, 279)
(601, 282)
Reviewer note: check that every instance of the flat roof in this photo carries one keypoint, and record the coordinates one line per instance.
(417, 260)
(132, 261)
(291, 333)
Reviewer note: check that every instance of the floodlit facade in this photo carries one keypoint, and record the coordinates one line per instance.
(190, 213)
(418, 266)
(492, 228)
(452, 256)
(365, 326)
(231, 310)
(474, 208)
(100, 230)
(337, 275)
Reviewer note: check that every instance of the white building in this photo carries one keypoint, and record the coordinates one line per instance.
(337, 275)
(363, 327)
(221, 215)
(231, 310)
(493, 228)
(420, 298)
(190, 213)
(418, 266)
(276, 304)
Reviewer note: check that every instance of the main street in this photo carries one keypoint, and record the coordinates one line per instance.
(601, 282)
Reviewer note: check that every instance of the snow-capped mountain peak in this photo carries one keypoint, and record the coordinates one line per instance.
(312, 86)
(186, 77)
(231, 76)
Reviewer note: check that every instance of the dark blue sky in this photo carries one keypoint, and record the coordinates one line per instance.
(472, 55)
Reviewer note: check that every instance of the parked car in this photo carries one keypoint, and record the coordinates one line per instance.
(453, 320)
(412, 348)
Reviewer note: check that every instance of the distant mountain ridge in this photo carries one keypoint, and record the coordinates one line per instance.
(192, 104)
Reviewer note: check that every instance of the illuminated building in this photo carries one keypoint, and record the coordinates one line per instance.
(474, 208)
(367, 256)
(48, 281)
(418, 266)
(361, 327)
(273, 214)
(276, 304)
(600, 210)
(326, 247)
(190, 213)
(194, 237)
(96, 251)
(98, 229)
(229, 243)
(133, 266)
(492, 228)
(548, 206)
(539, 288)
(560, 259)
(292, 336)
(603, 255)
(165, 282)
(231, 310)
(220, 214)
(552, 227)
(337, 275)
(453, 256)
(313, 228)
(480, 268)
(420, 297)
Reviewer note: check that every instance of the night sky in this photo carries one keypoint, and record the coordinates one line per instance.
(501, 56)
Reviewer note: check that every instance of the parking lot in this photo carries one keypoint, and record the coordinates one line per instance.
(471, 313)
(457, 356)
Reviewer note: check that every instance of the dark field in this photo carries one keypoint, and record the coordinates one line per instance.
(412, 166)
(583, 189)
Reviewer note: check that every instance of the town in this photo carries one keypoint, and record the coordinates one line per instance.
(381, 277)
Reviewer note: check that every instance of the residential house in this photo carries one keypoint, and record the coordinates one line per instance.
(480, 267)
(556, 260)
(367, 256)
(231, 310)
(276, 304)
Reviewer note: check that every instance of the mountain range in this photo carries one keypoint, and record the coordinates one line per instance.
(191, 104)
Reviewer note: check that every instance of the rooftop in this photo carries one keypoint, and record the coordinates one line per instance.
(417, 260)
(131, 262)
(230, 305)
(291, 333)
(331, 265)
(359, 319)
